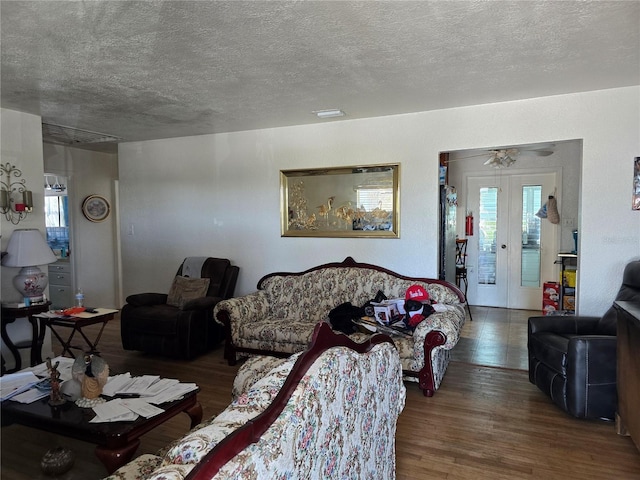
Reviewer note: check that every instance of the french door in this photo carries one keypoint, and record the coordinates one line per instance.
(512, 251)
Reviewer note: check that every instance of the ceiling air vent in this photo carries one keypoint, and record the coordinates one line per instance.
(73, 136)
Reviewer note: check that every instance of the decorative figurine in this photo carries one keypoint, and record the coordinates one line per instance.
(55, 397)
(92, 372)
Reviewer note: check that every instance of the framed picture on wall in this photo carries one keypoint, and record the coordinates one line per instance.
(95, 208)
(635, 204)
(355, 201)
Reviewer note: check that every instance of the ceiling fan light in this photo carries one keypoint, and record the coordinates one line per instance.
(501, 158)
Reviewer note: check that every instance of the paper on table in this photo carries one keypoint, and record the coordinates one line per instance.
(64, 368)
(15, 383)
(118, 410)
(111, 409)
(141, 407)
(116, 383)
(29, 396)
(159, 387)
(99, 311)
(138, 385)
(125, 417)
(49, 314)
(172, 393)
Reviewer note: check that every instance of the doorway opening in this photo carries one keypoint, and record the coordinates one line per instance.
(511, 250)
(56, 209)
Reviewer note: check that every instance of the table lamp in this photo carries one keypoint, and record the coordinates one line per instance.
(28, 249)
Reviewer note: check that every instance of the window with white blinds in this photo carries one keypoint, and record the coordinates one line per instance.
(371, 198)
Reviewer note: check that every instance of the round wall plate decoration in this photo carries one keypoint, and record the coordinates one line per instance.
(96, 208)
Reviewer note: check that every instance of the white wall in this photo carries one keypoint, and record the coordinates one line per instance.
(219, 194)
(21, 145)
(93, 245)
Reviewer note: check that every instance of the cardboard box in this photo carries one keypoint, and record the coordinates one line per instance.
(569, 278)
(550, 307)
(550, 298)
(386, 312)
(551, 291)
(568, 302)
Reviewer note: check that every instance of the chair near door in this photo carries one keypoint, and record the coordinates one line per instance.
(461, 269)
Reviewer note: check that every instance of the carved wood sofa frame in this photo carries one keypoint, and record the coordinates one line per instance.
(323, 339)
(434, 338)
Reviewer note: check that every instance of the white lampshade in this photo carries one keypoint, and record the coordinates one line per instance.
(28, 249)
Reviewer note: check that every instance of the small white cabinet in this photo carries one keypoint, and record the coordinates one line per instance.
(61, 284)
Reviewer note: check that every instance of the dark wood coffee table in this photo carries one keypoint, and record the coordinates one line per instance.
(116, 441)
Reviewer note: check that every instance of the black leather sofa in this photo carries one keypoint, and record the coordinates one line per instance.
(572, 359)
(149, 324)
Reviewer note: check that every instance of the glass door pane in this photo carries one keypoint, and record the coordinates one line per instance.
(530, 253)
(487, 222)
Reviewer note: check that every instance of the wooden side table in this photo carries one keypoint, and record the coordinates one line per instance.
(76, 323)
(627, 417)
(9, 315)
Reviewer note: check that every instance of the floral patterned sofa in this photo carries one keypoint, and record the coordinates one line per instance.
(280, 317)
(329, 412)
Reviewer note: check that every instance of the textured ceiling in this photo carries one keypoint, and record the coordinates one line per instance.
(158, 69)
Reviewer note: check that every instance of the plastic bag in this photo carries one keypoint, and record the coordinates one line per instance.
(542, 213)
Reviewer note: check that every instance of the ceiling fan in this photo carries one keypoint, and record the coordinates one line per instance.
(504, 157)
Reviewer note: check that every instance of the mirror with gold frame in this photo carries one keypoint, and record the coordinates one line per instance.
(359, 201)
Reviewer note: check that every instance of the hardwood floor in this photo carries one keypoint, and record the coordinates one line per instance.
(497, 337)
(485, 422)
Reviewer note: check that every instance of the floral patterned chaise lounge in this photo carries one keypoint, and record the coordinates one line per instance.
(280, 317)
(329, 413)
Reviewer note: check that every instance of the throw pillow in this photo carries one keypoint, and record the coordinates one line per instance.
(185, 289)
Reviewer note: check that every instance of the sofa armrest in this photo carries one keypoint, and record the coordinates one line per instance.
(595, 355)
(242, 410)
(592, 376)
(246, 309)
(449, 322)
(202, 303)
(146, 299)
(580, 325)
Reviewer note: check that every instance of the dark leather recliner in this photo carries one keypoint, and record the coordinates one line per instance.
(573, 358)
(149, 324)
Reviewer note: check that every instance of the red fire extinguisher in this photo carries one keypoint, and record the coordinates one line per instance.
(468, 225)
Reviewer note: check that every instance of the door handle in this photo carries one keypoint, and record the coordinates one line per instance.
(503, 246)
